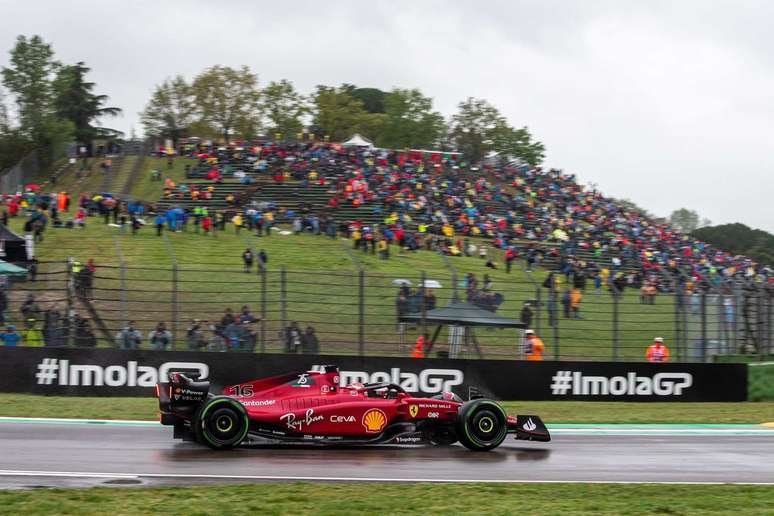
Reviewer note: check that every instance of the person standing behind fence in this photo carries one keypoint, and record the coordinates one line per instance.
(419, 347)
(575, 301)
(247, 258)
(533, 346)
(10, 338)
(130, 337)
(160, 338)
(657, 353)
(310, 344)
(293, 338)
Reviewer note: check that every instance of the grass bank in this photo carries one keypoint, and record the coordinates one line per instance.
(342, 499)
(23, 405)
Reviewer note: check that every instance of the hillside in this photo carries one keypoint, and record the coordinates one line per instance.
(321, 290)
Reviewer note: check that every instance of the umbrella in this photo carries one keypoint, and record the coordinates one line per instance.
(33, 187)
(431, 283)
(9, 269)
(401, 282)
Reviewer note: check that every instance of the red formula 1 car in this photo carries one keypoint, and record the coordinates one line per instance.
(313, 408)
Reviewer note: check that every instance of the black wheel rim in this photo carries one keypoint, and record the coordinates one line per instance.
(223, 424)
(485, 426)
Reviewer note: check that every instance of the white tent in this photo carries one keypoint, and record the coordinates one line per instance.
(357, 141)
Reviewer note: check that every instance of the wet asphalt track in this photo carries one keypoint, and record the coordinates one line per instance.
(86, 455)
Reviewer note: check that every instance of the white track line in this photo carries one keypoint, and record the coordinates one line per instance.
(77, 474)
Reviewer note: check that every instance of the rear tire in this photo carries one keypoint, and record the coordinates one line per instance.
(221, 423)
(481, 425)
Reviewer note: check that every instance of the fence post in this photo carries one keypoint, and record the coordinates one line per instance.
(538, 308)
(174, 306)
(703, 326)
(616, 339)
(263, 309)
(122, 277)
(69, 301)
(283, 299)
(424, 307)
(555, 326)
(173, 322)
(361, 313)
(760, 323)
(678, 329)
(768, 323)
(260, 268)
(455, 295)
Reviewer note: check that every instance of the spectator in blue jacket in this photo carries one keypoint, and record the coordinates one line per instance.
(11, 337)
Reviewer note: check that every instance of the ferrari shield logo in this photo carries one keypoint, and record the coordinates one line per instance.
(413, 410)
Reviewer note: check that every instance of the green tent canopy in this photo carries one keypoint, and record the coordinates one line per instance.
(9, 269)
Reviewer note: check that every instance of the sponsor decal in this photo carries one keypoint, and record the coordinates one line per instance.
(53, 371)
(298, 424)
(353, 392)
(436, 406)
(413, 410)
(242, 391)
(565, 383)
(342, 419)
(374, 420)
(433, 415)
(325, 389)
(258, 403)
(529, 425)
(303, 380)
(408, 439)
(428, 381)
(181, 394)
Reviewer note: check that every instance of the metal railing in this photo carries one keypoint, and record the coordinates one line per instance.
(357, 313)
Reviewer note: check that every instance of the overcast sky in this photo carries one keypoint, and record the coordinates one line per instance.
(667, 103)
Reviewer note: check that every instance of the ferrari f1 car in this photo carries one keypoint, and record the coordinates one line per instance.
(313, 408)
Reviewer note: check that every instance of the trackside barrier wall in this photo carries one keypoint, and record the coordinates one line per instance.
(107, 372)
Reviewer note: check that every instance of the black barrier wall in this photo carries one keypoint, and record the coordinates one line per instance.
(105, 372)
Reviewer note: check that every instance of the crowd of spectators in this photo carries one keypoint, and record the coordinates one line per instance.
(439, 200)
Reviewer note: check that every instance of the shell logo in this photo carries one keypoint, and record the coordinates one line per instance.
(374, 420)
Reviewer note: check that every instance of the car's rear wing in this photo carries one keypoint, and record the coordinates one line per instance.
(180, 397)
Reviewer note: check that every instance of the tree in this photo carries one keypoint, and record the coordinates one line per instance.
(75, 101)
(740, 239)
(411, 121)
(517, 143)
(372, 98)
(338, 115)
(229, 100)
(171, 110)
(283, 107)
(13, 145)
(686, 220)
(29, 77)
(479, 127)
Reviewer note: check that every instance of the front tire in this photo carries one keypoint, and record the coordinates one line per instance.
(221, 423)
(481, 425)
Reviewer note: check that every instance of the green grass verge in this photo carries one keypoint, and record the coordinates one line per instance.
(338, 499)
(25, 405)
(760, 378)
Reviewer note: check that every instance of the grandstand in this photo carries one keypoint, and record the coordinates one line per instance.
(445, 207)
